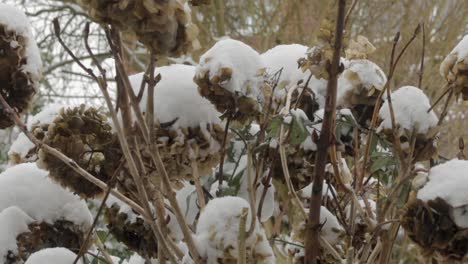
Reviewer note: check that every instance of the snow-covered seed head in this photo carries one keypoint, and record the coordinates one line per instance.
(164, 26)
(131, 229)
(412, 121)
(218, 231)
(37, 213)
(22, 150)
(20, 62)
(230, 75)
(437, 218)
(84, 135)
(454, 68)
(359, 86)
(44, 235)
(189, 129)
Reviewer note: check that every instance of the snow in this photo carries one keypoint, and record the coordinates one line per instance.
(218, 230)
(331, 228)
(29, 188)
(285, 57)
(410, 106)
(459, 54)
(21, 147)
(13, 222)
(46, 116)
(449, 182)
(358, 218)
(307, 191)
(123, 208)
(358, 75)
(52, 255)
(268, 205)
(309, 144)
(245, 63)
(176, 97)
(134, 259)
(187, 199)
(15, 20)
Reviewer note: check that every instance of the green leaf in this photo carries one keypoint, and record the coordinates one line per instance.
(298, 131)
(381, 162)
(274, 126)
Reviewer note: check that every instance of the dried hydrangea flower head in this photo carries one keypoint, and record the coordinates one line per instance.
(84, 135)
(230, 75)
(437, 219)
(164, 26)
(359, 86)
(454, 68)
(189, 129)
(283, 72)
(22, 149)
(300, 156)
(130, 228)
(20, 62)
(359, 48)
(412, 121)
(218, 230)
(61, 219)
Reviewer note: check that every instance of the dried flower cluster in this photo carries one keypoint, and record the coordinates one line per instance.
(165, 27)
(83, 134)
(20, 64)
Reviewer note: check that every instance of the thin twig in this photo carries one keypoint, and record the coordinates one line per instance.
(421, 68)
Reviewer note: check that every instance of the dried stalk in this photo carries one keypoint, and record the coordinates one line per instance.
(312, 242)
(242, 259)
(198, 186)
(122, 139)
(103, 250)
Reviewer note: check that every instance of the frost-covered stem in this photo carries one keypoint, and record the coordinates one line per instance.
(103, 249)
(266, 185)
(350, 11)
(350, 255)
(91, 229)
(445, 108)
(328, 247)
(149, 75)
(171, 196)
(198, 186)
(375, 252)
(113, 37)
(222, 154)
(312, 241)
(157, 160)
(447, 88)
(393, 65)
(146, 211)
(242, 258)
(251, 191)
(423, 49)
(284, 162)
